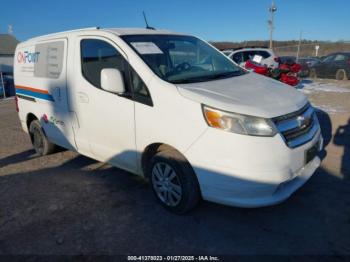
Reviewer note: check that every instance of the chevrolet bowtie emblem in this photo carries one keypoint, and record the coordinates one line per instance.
(303, 121)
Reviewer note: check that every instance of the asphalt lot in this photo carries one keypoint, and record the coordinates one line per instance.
(66, 203)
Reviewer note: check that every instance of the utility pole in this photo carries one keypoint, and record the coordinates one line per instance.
(270, 22)
(298, 52)
(317, 47)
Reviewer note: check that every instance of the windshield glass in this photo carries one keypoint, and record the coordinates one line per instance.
(182, 59)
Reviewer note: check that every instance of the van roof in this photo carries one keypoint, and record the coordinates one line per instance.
(117, 31)
(138, 31)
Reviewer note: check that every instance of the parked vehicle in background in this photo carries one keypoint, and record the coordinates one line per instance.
(286, 73)
(169, 107)
(306, 63)
(9, 88)
(1, 91)
(291, 60)
(310, 61)
(242, 55)
(287, 59)
(336, 66)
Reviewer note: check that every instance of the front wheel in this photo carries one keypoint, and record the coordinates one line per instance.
(174, 183)
(341, 75)
(40, 142)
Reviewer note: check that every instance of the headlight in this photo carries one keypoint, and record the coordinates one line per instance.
(239, 124)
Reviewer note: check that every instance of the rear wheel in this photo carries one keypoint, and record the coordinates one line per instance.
(341, 75)
(313, 74)
(174, 183)
(40, 142)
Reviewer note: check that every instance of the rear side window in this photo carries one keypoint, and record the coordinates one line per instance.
(249, 55)
(340, 57)
(264, 54)
(97, 55)
(237, 57)
(49, 62)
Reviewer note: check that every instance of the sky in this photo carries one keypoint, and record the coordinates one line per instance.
(225, 20)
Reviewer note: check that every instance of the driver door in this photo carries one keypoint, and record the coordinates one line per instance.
(324, 66)
(106, 120)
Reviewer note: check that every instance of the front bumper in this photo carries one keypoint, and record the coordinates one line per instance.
(249, 171)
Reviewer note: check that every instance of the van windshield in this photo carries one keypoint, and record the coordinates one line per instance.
(182, 59)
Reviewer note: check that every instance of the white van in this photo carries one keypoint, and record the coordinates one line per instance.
(169, 107)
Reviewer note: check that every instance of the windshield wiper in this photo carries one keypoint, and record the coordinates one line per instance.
(225, 75)
(189, 80)
(207, 77)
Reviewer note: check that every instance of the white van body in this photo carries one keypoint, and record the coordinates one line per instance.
(120, 129)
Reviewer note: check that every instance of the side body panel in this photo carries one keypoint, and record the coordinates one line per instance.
(41, 86)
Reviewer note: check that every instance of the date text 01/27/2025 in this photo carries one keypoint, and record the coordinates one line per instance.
(173, 258)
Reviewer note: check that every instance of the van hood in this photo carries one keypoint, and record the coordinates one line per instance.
(249, 94)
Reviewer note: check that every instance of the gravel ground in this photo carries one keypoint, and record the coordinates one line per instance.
(66, 203)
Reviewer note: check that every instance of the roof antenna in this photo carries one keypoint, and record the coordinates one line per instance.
(147, 26)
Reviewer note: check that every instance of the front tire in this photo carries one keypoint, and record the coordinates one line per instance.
(341, 75)
(174, 182)
(39, 140)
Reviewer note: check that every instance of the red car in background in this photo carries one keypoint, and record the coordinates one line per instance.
(304, 70)
(287, 71)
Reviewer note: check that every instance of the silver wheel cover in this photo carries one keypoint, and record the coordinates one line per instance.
(166, 184)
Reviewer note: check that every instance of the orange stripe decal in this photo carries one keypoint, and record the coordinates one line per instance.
(33, 89)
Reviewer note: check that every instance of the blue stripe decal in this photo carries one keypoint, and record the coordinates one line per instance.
(47, 97)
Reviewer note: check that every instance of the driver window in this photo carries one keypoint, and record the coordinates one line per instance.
(97, 55)
(329, 58)
(138, 85)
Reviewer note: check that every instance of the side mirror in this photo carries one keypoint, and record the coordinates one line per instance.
(112, 81)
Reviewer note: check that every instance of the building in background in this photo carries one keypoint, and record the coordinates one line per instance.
(8, 45)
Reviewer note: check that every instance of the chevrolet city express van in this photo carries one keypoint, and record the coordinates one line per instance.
(169, 107)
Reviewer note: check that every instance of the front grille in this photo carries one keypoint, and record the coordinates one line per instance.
(299, 127)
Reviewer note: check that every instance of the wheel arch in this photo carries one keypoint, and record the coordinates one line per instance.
(30, 118)
(341, 70)
(153, 149)
(190, 184)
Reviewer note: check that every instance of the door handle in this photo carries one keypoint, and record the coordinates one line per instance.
(83, 97)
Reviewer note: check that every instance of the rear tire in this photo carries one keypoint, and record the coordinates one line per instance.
(39, 140)
(174, 182)
(341, 75)
(313, 74)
